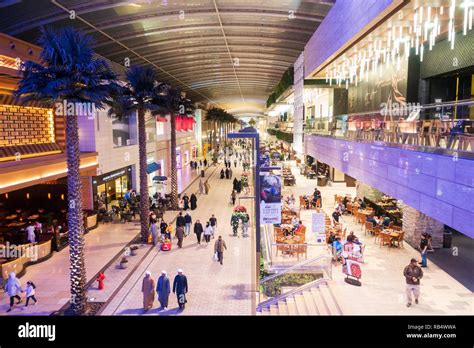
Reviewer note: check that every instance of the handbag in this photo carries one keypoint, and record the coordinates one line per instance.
(216, 258)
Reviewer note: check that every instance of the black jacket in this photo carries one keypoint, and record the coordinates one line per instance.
(180, 284)
(198, 228)
(188, 219)
(180, 221)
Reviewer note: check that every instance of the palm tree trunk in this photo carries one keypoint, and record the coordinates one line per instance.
(215, 135)
(174, 174)
(144, 199)
(75, 219)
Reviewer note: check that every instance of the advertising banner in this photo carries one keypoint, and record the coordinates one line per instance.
(270, 196)
(318, 227)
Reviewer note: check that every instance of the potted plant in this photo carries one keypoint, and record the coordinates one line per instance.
(123, 262)
(133, 250)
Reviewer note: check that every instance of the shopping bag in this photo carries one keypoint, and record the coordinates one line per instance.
(150, 239)
(216, 258)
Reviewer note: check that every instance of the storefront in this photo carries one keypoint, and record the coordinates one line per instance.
(112, 186)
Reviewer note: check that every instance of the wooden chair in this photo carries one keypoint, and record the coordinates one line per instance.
(301, 249)
(363, 220)
(369, 227)
(349, 208)
(385, 239)
(377, 230)
(400, 239)
(396, 228)
(344, 233)
(302, 203)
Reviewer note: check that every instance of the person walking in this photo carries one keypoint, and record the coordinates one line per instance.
(205, 162)
(154, 232)
(185, 202)
(213, 222)
(233, 197)
(208, 233)
(235, 163)
(180, 236)
(201, 187)
(413, 273)
(245, 225)
(219, 247)
(187, 228)
(198, 230)
(180, 221)
(193, 201)
(424, 251)
(180, 288)
(30, 293)
(148, 289)
(13, 289)
(163, 290)
(30, 233)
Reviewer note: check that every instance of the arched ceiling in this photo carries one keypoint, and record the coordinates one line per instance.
(227, 52)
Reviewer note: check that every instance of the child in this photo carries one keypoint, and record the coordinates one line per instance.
(30, 292)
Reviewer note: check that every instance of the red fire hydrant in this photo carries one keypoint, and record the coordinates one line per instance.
(100, 279)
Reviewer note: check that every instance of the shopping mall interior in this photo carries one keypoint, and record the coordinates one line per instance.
(226, 157)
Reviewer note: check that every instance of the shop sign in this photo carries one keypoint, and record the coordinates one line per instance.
(318, 226)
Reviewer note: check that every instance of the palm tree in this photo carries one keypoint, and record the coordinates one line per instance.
(172, 102)
(213, 116)
(69, 73)
(138, 95)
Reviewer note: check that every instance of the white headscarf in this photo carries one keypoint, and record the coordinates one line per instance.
(147, 273)
(163, 272)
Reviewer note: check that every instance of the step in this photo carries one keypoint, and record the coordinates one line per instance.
(318, 300)
(329, 299)
(312, 309)
(265, 311)
(301, 305)
(274, 309)
(282, 307)
(290, 302)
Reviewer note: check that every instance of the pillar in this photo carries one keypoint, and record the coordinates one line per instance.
(415, 223)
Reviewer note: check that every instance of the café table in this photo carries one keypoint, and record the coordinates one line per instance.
(33, 217)
(392, 234)
(11, 217)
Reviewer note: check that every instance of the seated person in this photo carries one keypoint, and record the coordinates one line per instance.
(331, 239)
(386, 221)
(374, 219)
(300, 226)
(345, 201)
(351, 237)
(287, 232)
(294, 221)
(337, 248)
(362, 204)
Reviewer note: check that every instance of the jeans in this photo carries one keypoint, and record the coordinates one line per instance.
(245, 229)
(424, 261)
(207, 238)
(416, 292)
(187, 229)
(220, 256)
(213, 230)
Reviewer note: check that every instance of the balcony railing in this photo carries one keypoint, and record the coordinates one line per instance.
(442, 125)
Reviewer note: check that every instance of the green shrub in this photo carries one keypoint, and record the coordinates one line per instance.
(272, 288)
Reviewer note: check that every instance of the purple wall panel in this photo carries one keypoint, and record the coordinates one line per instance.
(437, 185)
(346, 19)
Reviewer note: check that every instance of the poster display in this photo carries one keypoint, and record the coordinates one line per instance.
(352, 254)
(318, 227)
(270, 196)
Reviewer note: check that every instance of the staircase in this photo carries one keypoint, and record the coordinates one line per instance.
(315, 298)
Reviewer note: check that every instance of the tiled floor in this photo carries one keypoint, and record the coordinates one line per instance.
(52, 276)
(383, 284)
(213, 289)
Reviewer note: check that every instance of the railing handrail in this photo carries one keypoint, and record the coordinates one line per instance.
(291, 292)
(264, 280)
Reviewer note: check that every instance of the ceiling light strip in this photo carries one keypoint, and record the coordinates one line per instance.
(134, 52)
(228, 49)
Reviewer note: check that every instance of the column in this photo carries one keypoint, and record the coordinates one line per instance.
(415, 223)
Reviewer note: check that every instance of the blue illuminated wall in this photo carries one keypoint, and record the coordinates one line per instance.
(439, 186)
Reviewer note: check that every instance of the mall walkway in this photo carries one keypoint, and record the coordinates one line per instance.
(383, 285)
(51, 277)
(213, 289)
